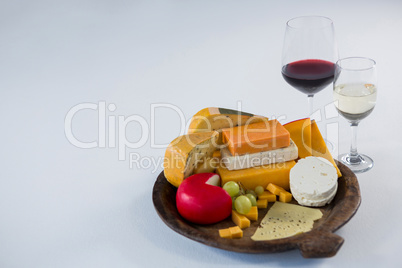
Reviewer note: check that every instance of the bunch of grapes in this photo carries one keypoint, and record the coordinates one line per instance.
(242, 199)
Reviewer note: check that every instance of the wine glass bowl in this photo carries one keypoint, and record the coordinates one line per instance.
(309, 54)
(355, 95)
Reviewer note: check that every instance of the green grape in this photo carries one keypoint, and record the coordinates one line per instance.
(251, 192)
(243, 204)
(233, 202)
(232, 188)
(252, 199)
(259, 190)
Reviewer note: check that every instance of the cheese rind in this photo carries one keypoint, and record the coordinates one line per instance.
(184, 154)
(257, 137)
(235, 162)
(313, 181)
(258, 176)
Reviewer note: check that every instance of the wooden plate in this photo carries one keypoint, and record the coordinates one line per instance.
(319, 242)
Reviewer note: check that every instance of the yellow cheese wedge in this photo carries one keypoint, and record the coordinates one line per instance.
(250, 178)
(270, 197)
(240, 220)
(184, 154)
(214, 118)
(262, 203)
(320, 148)
(253, 214)
(300, 133)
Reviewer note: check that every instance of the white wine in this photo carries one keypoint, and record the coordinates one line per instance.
(355, 101)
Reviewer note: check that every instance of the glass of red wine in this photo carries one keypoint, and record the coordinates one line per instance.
(309, 55)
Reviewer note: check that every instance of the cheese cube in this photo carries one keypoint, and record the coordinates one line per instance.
(285, 197)
(275, 189)
(270, 197)
(262, 203)
(253, 214)
(236, 232)
(240, 220)
(225, 233)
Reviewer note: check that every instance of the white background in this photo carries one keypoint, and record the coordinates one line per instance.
(64, 206)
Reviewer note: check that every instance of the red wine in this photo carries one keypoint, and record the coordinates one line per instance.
(309, 76)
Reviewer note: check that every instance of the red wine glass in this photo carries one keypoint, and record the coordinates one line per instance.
(309, 55)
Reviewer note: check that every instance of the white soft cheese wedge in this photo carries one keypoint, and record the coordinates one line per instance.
(258, 159)
(313, 181)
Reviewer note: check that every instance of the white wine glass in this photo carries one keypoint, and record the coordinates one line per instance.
(355, 95)
(309, 54)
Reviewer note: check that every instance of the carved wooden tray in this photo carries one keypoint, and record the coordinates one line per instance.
(319, 242)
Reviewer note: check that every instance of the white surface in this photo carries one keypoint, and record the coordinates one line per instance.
(64, 206)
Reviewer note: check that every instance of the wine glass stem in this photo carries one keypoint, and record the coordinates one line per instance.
(310, 104)
(353, 147)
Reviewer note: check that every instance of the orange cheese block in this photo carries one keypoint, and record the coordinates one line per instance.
(275, 189)
(320, 148)
(262, 203)
(270, 197)
(300, 133)
(225, 233)
(231, 232)
(257, 137)
(285, 197)
(250, 178)
(240, 220)
(253, 214)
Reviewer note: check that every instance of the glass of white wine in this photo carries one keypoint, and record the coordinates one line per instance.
(355, 95)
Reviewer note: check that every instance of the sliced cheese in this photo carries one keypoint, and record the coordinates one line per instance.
(184, 154)
(214, 118)
(285, 220)
(319, 148)
(257, 137)
(270, 197)
(258, 176)
(313, 181)
(258, 159)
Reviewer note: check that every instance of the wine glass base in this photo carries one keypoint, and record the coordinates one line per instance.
(361, 164)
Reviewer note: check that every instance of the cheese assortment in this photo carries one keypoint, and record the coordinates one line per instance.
(282, 163)
(215, 119)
